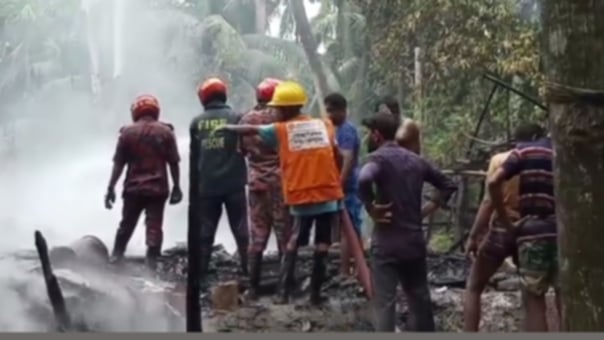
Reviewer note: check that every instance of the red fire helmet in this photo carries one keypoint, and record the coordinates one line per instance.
(145, 105)
(266, 89)
(211, 87)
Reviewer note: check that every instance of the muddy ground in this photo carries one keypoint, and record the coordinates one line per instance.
(106, 299)
(347, 308)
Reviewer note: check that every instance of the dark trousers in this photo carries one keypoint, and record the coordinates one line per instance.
(300, 235)
(210, 211)
(134, 205)
(387, 273)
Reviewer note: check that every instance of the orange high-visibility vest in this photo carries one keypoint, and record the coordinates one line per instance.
(308, 164)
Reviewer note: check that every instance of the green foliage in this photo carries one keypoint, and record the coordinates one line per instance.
(441, 241)
(367, 51)
(460, 39)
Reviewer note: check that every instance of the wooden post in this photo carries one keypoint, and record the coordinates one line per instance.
(418, 80)
(461, 208)
(53, 289)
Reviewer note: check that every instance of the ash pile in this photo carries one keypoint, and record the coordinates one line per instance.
(93, 296)
(101, 298)
(347, 309)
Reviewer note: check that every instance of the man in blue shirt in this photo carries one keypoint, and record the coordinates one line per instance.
(349, 145)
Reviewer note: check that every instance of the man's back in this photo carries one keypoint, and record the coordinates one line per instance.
(510, 187)
(533, 163)
(220, 167)
(147, 146)
(400, 181)
(263, 160)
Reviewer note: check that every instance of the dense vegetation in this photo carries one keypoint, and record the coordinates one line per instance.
(368, 50)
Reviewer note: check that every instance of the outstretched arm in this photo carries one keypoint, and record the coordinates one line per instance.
(242, 129)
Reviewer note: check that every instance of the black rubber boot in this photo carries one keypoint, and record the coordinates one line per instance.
(243, 262)
(205, 255)
(317, 278)
(287, 277)
(255, 270)
(153, 253)
(119, 248)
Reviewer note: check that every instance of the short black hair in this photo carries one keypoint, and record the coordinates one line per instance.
(391, 103)
(384, 123)
(336, 101)
(527, 132)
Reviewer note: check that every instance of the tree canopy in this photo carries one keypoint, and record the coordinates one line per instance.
(366, 50)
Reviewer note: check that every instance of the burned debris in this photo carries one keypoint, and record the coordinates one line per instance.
(99, 297)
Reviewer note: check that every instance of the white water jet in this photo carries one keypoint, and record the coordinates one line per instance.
(119, 9)
(93, 51)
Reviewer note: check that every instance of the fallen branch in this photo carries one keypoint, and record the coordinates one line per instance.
(52, 285)
(477, 173)
(481, 141)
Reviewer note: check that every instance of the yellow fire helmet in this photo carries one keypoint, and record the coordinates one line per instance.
(288, 93)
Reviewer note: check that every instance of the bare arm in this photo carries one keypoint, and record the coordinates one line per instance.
(338, 157)
(495, 185)
(481, 222)
(347, 161)
(510, 168)
(486, 209)
(445, 186)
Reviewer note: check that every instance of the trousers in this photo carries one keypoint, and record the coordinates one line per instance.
(387, 273)
(134, 205)
(268, 212)
(210, 211)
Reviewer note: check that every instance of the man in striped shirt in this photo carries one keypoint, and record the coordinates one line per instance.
(489, 244)
(536, 231)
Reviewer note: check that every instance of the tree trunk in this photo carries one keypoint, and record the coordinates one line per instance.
(573, 31)
(260, 10)
(310, 48)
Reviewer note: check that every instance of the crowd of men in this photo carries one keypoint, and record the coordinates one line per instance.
(303, 172)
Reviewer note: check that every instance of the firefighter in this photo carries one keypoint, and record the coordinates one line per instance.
(265, 195)
(218, 173)
(147, 147)
(310, 166)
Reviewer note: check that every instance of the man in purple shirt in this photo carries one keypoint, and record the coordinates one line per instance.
(398, 249)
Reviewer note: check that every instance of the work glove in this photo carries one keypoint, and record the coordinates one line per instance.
(176, 196)
(109, 198)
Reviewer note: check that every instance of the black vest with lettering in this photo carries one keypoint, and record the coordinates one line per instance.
(217, 167)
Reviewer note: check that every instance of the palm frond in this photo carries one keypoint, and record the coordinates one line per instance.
(261, 64)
